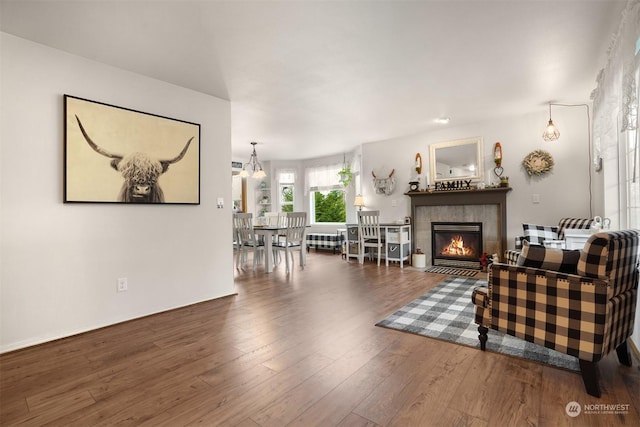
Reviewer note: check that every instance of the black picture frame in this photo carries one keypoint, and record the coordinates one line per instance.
(118, 155)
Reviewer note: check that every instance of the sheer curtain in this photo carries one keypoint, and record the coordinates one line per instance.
(615, 121)
(615, 127)
(323, 178)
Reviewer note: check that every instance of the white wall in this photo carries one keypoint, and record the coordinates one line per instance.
(60, 262)
(563, 192)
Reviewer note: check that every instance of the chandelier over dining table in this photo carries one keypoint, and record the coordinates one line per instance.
(254, 165)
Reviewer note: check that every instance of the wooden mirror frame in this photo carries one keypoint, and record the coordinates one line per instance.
(456, 148)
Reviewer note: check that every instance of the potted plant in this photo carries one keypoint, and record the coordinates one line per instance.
(346, 176)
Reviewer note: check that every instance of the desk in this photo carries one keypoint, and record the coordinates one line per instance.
(268, 231)
(396, 241)
(576, 238)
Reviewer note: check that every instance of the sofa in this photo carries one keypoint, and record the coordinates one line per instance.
(581, 303)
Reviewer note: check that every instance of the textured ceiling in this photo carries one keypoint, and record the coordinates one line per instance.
(307, 79)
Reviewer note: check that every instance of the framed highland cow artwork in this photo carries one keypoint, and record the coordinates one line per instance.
(118, 155)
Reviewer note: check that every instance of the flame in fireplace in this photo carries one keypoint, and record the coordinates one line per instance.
(457, 248)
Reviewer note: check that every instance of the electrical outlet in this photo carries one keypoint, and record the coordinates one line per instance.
(122, 285)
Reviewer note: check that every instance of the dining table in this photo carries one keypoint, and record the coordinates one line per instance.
(268, 232)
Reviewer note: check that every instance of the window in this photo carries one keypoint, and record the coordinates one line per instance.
(328, 206)
(631, 150)
(632, 155)
(286, 185)
(326, 194)
(616, 131)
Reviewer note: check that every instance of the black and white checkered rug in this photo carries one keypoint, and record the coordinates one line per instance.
(446, 312)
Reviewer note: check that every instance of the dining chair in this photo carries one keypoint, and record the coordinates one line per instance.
(369, 233)
(246, 239)
(294, 236)
(276, 219)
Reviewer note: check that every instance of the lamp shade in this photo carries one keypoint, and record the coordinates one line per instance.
(359, 201)
(551, 132)
(254, 165)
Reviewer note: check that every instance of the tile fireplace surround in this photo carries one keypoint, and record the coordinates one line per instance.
(488, 206)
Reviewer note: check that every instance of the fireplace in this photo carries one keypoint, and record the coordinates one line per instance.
(456, 244)
(488, 206)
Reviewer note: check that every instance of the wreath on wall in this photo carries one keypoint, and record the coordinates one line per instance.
(538, 162)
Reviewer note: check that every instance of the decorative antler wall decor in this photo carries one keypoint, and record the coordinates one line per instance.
(384, 185)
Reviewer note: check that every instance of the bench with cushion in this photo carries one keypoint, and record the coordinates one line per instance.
(324, 241)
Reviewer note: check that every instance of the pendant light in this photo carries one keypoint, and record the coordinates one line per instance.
(551, 132)
(254, 165)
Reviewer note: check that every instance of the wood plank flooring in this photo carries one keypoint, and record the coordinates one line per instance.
(295, 350)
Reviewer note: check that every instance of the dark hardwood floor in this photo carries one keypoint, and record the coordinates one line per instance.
(297, 350)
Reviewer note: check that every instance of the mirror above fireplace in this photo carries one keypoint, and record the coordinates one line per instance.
(456, 160)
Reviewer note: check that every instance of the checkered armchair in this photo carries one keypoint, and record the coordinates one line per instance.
(586, 310)
(538, 234)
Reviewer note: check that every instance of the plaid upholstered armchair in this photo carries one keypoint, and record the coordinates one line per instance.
(538, 234)
(586, 310)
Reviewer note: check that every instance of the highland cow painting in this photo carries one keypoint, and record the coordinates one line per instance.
(119, 155)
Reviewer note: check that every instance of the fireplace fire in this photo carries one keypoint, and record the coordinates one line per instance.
(456, 244)
(457, 248)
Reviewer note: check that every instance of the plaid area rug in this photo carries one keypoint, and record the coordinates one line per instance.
(446, 312)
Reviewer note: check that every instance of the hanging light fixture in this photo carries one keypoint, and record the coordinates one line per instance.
(551, 132)
(254, 165)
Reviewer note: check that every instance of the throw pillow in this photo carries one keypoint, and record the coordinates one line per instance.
(537, 234)
(573, 223)
(537, 256)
